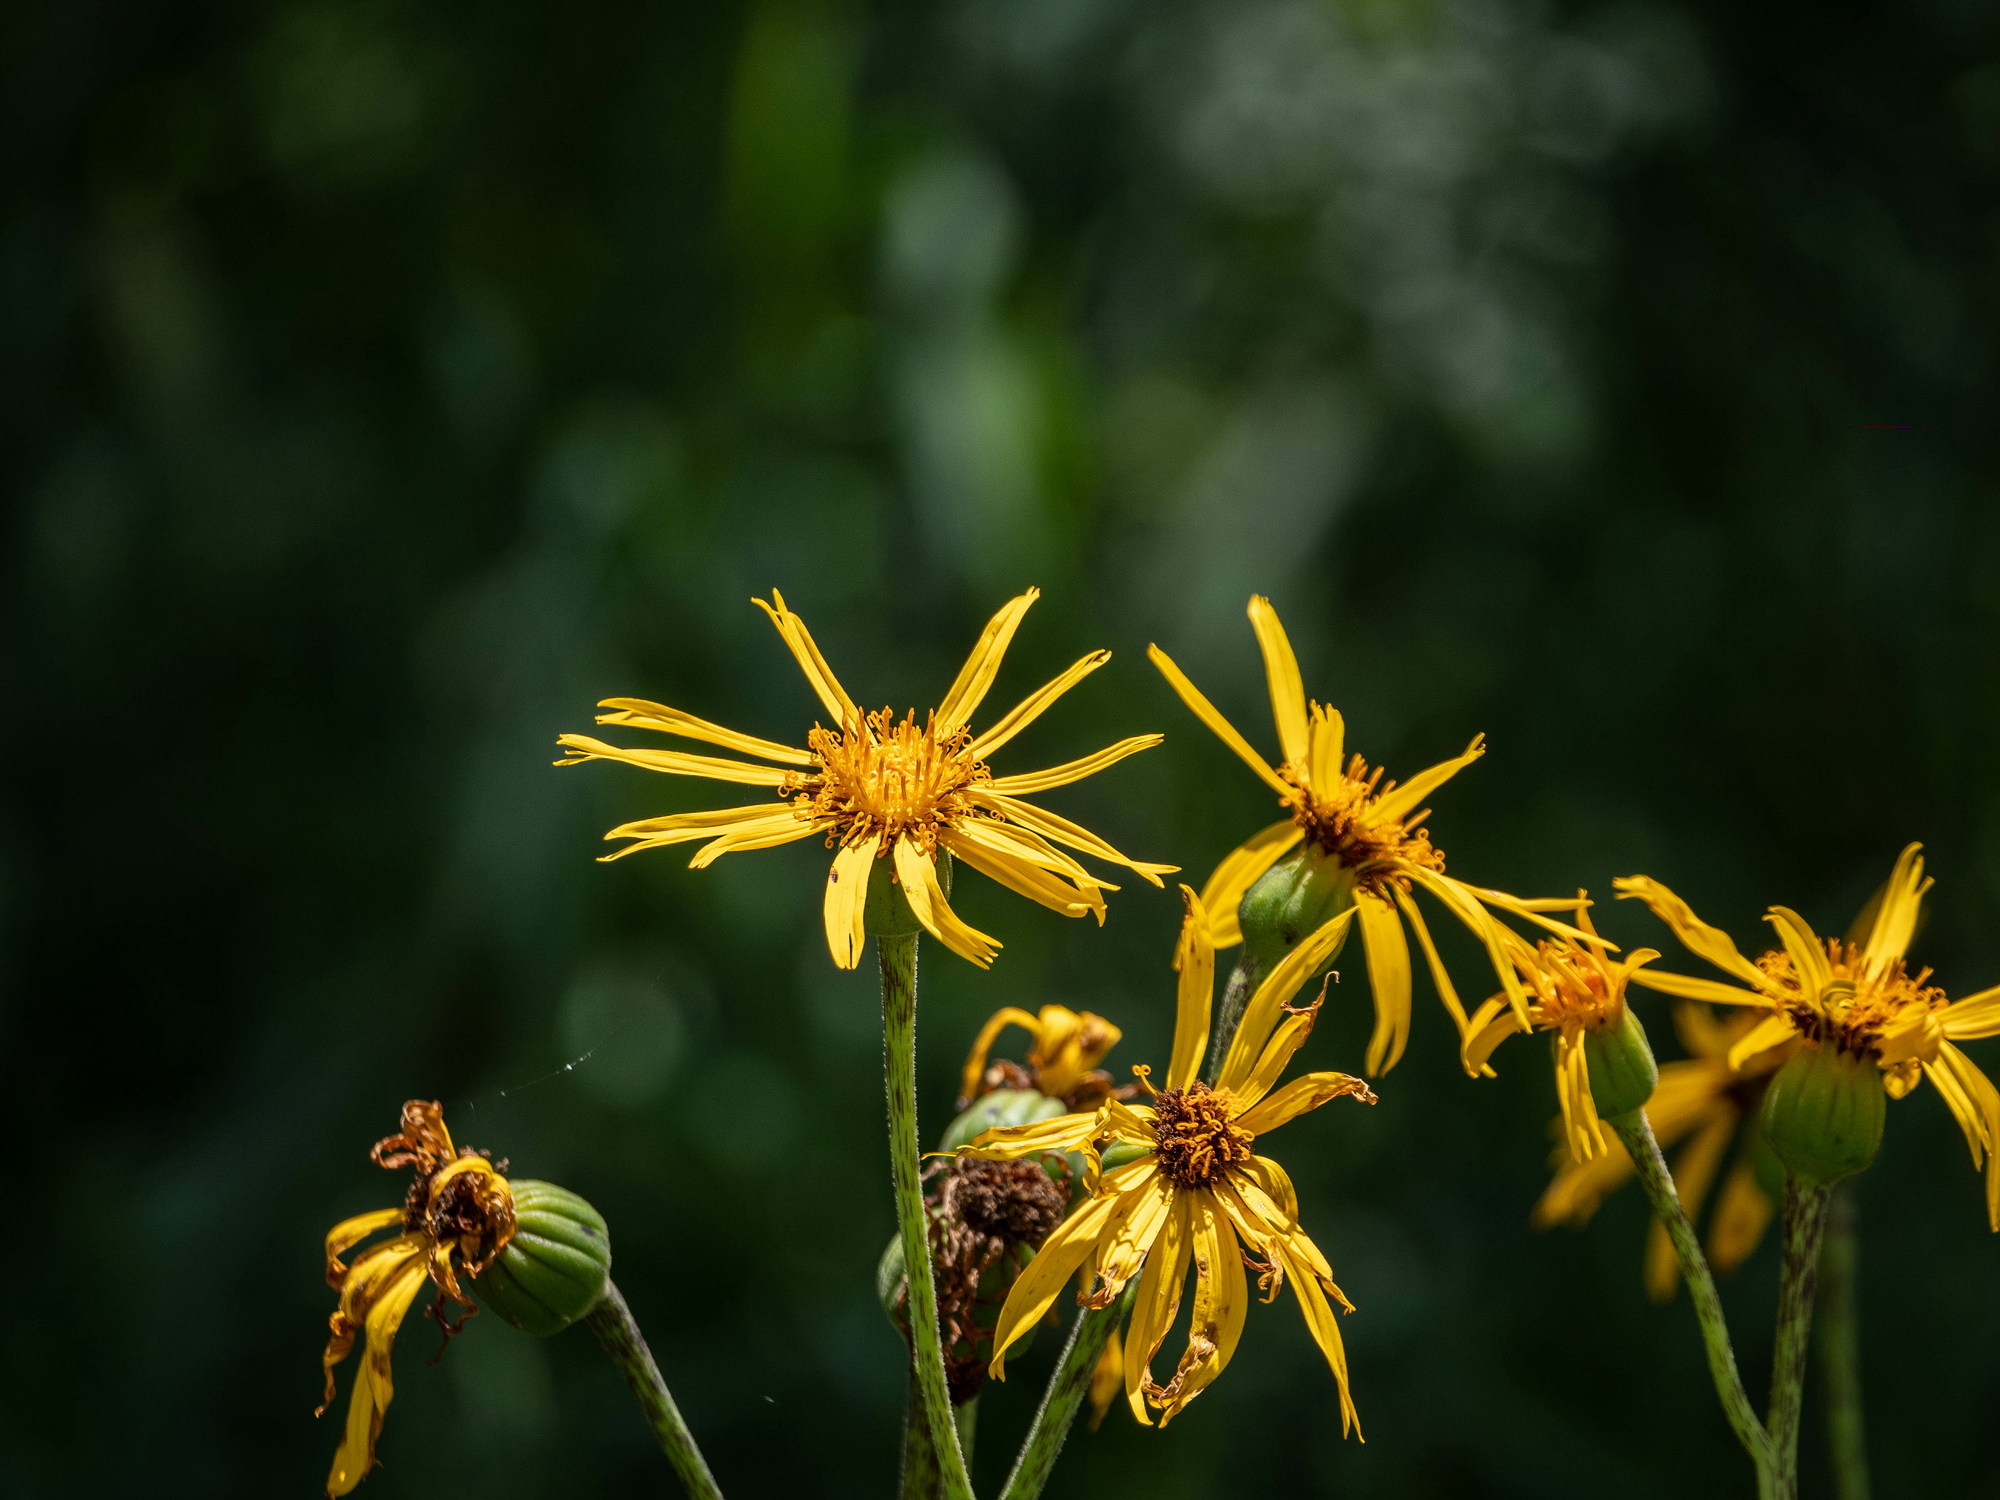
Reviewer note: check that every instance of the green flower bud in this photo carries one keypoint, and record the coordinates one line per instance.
(1622, 1071)
(555, 1268)
(1823, 1114)
(1296, 897)
(887, 911)
(1000, 1108)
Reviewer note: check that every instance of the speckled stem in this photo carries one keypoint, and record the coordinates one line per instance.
(899, 1068)
(1089, 1331)
(1637, 1134)
(1840, 1350)
(1243, 982)
(611, 1320)
(1805, 1223)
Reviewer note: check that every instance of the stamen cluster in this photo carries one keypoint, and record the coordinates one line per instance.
(1570, 989)
(1340, 820)
(1194, 1136)
(900, 780)
(1854, 1012)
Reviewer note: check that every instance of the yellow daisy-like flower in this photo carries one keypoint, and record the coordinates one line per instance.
(1577, 992)
(876, 788)
(1372, 827)
(1706, 1102)
(1197, 1194)
(457, 1216)
(1858, 998)
(1062, 1060)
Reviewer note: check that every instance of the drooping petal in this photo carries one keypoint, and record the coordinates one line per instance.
(1772, 1031)
(1743, 1212)
(1074, 770)
(1240, 869)
(917, 872)
(1129, 1234)
(772, 833)
(1157, 1300)
(1402, 801)
(1281, 673)
(1389, 976)
(1579, 1109)
(968, 690)
(350, 1232)
(1896, 915)
(1976, 1105)
(1690, 988)
(1210, 715)
(1711, 943)
(846, 901)
(1439, 977)
(1463, 905)
(1064, 1133)
(583, 747)
(1052, 826)
(1490, 1025)
(1004, 840)
(1305, 1093)
(1325, 1329)
(803, 648)
(1275, 1182)
(1025, 879)
(1043, 1278)
(1037, 703)
(374, 1382)
(1194, 991)
(1221, 1301)
(1260, 1016)
(975, 1060)
(640, 713)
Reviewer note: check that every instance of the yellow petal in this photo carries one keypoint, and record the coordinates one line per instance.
(1389, 976)
(1129, 1233)
(350, 1232)
(1105, 1378)
(1976, 1105)
(1003, 840)
(968, 690)
(1156, 1302)
(1040, 820)
(583, 747)
(1306, 1092)
(1286, 1039)
(1210, 715)
(824, 684)
(769, 834)
(1325, 1330)
(1689, 988)
(846, 900)
(374, 1385)
(1328, 733)
(683, 828)
(1025, 879)
(1281, 673)
(1772, 1031)
(1439, 977)
(1579, 1110)
(1074, 770)
(1490, 1025)
(1275, 1183)
(1066, 1248)
(1194, 992)
(1221, 1300)
(1742, 1213)
(1240, 869)
(1711, 943)
(1064, 1133)
(1260, 1016)
(1402, 801)
(975, 1060)
(1037, 703)
(1577, 1189)
(917, 873)
(1896, 915)
(1807, 952)
(639, 713)
(1977, 1015)
(1463, 905)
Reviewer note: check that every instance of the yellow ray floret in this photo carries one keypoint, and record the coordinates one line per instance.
(1198, 1196)
(1855, 994)
(878, 788)
(1068, 1045)
(1374, 828)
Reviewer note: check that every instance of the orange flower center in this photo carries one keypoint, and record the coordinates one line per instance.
(901, 780)
(1853, 1012)
(1194, 1137)
(1341, 820)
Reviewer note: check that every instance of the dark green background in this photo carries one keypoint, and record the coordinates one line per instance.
(386, 382)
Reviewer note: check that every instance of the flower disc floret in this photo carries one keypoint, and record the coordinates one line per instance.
(1195, 1137)
(881, 778)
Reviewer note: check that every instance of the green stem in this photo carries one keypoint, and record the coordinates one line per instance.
(1089, 1332)
(1243, 982)
(1637, 1133)
(1805, 1222)
(920, 1470)
(611, 1320)
(1840, 1351)
(899, 1066)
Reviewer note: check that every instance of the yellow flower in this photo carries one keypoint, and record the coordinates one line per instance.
(1578, 994)
(1371, 827)
(457, 1216)
(1197, 1194)
(880, 789)
(1858, 998)
(1705, 1101)
(1062, 1061)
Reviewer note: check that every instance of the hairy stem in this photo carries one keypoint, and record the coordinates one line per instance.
(1805, 1222)
(1637, 1134)
(899, 1066)
(611, 1320)
(1088, 1333)
(1840, 1351)
(1243, 982)
(920, 1470)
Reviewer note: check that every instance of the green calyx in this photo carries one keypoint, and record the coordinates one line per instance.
(555, 1268)
(1823, 1114)
(1623, 1073)
(887, 912)
(1296, 897)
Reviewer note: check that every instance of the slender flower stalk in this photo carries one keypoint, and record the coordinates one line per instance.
(898, 955)
(1090, 1333)
(1637, 1136)
(1840, 1350)
(1805, 1223)
(616, 1329)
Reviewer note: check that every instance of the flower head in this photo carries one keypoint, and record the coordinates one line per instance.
(1855, 998)
(457, 1216)
(1577, 996)
(876, 787)
(1709, 1104)
(1197, 1194)
(1344, 810)
(1062, 1060)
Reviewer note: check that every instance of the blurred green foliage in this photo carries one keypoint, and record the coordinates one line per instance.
(385, 383)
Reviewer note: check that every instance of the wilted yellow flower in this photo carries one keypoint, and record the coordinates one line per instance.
(1197, 1195)
(1068, 1045)
(1371, 827)
(876, 788)
(1705, 1101)
(1857, 999)
(1578, 994)
(457, 1216)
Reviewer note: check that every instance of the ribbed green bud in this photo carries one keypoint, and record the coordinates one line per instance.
(1622, 1071)
(887, 910)
(1823, 1114)
(1000, 1108)
(1296, 897)
(555, 1268)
